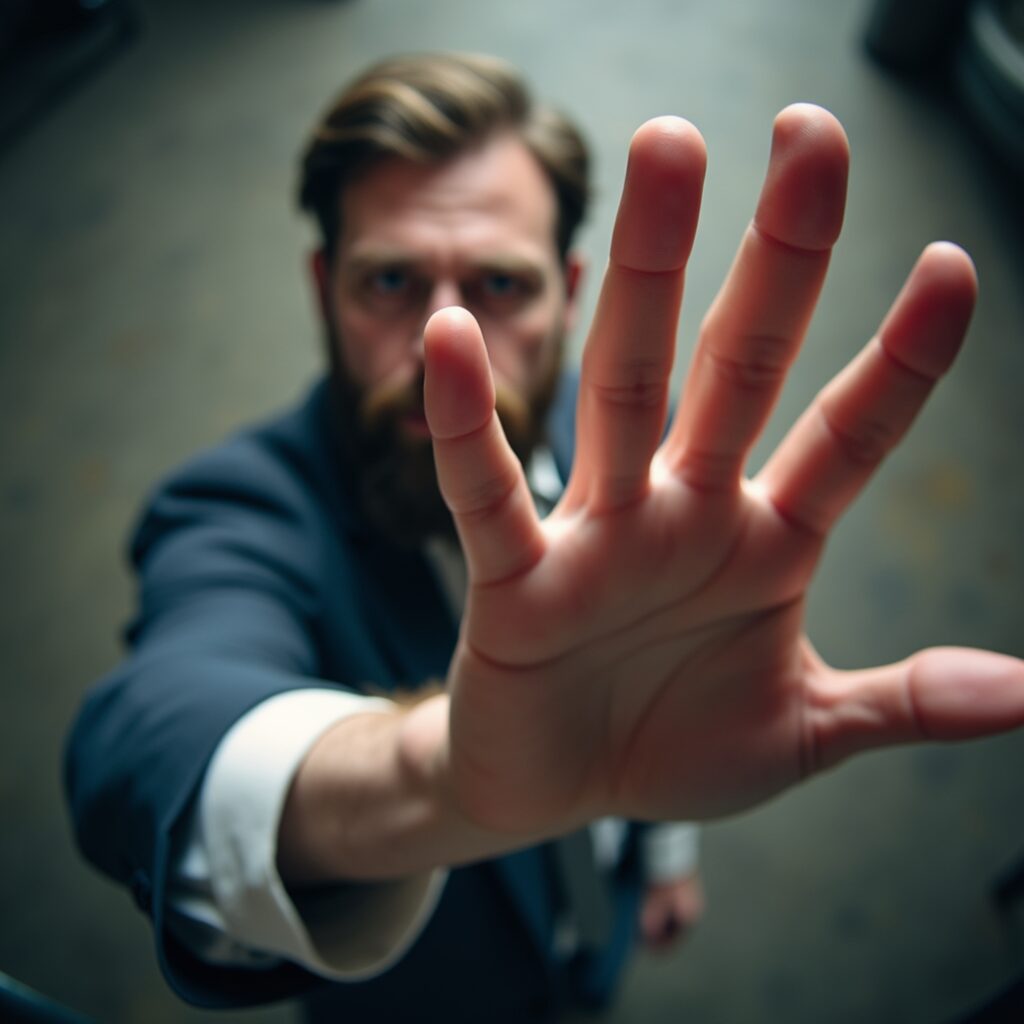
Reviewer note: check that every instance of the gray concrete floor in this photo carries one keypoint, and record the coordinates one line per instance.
(152, 298)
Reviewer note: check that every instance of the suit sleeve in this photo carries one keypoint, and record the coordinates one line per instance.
(226, 558)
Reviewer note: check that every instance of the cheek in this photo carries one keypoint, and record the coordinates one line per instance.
(373, 352)
(521, 351)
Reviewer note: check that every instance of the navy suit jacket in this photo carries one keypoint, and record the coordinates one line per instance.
(258, 575)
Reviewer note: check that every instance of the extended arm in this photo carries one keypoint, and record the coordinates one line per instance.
(231, 623)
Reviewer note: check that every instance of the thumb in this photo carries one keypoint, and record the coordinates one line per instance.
(479, 475)
(942, 694)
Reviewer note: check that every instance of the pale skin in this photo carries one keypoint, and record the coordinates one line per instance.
(640, 652)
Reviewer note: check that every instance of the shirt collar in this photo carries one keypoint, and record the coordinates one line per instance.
(444, 554)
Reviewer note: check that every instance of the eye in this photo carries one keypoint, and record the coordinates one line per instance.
(389, 282)
(390, 289)
(502, 291)
(501, 286)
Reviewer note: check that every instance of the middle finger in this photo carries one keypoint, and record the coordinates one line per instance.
(756, 324)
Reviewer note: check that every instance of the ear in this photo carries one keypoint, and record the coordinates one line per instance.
(575, 269)
(320, 274)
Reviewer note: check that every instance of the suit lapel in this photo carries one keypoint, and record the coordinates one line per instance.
(525, 878)
(408, 613)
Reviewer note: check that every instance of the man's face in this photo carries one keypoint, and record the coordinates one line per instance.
(477, 231)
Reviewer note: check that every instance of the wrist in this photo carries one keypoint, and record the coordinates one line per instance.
(338, 800)
(423, 753)
(373, 800)
(421, 750)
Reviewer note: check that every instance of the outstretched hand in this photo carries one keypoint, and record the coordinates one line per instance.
(641, 650)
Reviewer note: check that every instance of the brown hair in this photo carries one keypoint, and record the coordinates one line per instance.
(427, 108)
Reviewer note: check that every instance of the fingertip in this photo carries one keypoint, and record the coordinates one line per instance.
(661, 198)
(962, 693)
(450, 323)
(804, 196)
(671, 140)
(947, 276)
(950, 266)
(458, 388)
(669, 152)
(928, 321)
(453, 333)
(811, 119)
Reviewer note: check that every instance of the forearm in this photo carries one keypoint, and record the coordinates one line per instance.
(226, 899)
(371, 802)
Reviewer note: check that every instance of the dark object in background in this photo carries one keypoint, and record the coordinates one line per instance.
(21, 1005)
(974, 47)
(1005, 1008)
(915, 37)
(47, 47)
(1008, 888)
(989, 74)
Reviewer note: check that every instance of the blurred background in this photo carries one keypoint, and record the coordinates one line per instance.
(153, 298)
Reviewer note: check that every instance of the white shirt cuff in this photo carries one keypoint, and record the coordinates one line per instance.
(670, 851)
(352, 931)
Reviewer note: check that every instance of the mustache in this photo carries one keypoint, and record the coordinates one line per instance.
(387, 404)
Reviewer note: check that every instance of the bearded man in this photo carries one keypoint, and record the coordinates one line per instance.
(408, 657)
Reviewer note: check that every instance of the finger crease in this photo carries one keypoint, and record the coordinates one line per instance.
(486, 500)
(799, 250)
(868, 446)
(913, 712)
(667, 272)
(793, 520)
(711, 472)
(641, 394)
(757, 373)
(468, 435)
(901, 364)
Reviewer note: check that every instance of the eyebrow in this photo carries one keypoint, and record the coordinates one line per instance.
(505, 263)
(382, 258)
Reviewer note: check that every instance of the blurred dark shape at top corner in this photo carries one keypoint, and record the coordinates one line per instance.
(915, 37)
(47, 47)
(29, 23)
(969, 50)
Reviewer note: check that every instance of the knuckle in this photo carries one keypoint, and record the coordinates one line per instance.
(710, 471)
(866, 441)
(484, 497)
(763, 365)
(634, 393)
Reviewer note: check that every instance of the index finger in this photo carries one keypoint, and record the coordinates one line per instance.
(628, 357)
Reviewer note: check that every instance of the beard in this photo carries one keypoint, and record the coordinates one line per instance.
(395, 477)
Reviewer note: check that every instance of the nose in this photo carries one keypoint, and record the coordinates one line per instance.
(445, 292)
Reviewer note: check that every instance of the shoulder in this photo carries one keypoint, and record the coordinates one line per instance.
(272, 468)
(267, 489)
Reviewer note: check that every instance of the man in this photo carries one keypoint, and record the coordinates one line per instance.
(635, 654)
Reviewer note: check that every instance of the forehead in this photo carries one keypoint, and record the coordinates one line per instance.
(492, 200)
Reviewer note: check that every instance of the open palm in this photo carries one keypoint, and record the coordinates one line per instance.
(641, 651)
